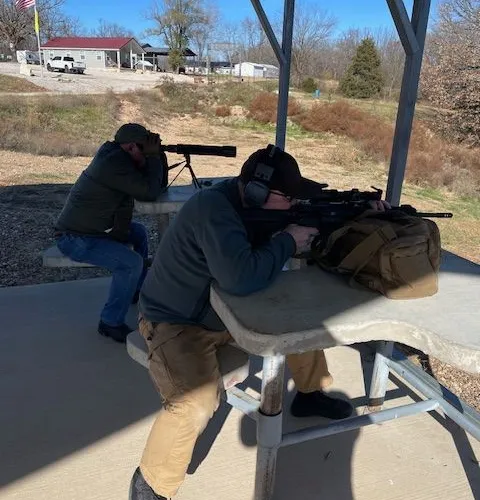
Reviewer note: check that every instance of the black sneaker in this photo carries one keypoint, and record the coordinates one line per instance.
(139, 489)
(318, 404)
(117, 333)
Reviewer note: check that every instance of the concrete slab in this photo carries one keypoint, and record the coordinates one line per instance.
(76, 411)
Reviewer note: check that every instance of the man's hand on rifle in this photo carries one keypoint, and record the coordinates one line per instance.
(302, 235)
(379, 205)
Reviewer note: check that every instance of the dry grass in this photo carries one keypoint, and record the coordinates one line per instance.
(57, 125)
(431, 161)
(14, 84)
(263, 108)
(223, 111)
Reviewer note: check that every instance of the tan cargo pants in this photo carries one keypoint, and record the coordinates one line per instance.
(184, 368)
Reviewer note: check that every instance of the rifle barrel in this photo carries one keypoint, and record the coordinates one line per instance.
(200, 149)
(438, 215)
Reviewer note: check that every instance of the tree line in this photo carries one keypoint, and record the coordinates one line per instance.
(366, 62)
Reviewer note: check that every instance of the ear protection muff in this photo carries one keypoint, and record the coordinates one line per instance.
(257, 190)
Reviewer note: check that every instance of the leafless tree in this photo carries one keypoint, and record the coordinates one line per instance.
(174, 22)
(202, 33)
(392, 56)
(312, 29)
(106, 29)
(451, 76)
(17, 26)
(255, 44)
(228, 43)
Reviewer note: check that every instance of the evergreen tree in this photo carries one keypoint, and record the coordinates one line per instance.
(363, 78)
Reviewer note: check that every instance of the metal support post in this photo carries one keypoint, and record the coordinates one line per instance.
(284, 56)
(406, 105)
(462, 414)
(269, 426)
(378, 386)
(284, 78)
(353, 423)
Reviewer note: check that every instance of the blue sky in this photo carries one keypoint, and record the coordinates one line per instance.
(349, 13)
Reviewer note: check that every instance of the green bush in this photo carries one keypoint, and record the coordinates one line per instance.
(309, 85)
(363, 78)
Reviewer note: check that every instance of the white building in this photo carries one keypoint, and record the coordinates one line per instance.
(256, 70)
(224, 70)
(96, 52)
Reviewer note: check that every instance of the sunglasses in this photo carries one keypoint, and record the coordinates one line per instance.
(288, 198)
(141, 147)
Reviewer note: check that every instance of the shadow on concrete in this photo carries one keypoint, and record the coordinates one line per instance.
(63, 387)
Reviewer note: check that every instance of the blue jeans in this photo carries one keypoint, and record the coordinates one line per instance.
(127, 266)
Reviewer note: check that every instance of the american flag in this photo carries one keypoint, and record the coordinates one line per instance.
(24, 4)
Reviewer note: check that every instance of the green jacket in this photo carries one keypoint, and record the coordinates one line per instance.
(101, 201)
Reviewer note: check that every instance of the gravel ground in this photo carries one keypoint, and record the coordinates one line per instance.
(93, 81)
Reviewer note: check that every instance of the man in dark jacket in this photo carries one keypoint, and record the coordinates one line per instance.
(208, 240)
(95, 225)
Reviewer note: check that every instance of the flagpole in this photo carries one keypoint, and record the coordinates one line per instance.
(37, 31)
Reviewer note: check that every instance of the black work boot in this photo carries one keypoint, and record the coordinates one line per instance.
(117, 333)
(139, 489)
(318, 404)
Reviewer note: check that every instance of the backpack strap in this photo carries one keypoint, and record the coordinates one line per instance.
(359, 257)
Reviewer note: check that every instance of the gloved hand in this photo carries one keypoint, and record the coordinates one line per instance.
(151, 146)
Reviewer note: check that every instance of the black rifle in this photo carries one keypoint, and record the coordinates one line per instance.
(328, 211)
(196, 149)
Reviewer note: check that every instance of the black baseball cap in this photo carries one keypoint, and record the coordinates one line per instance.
(286, 176)
(131, 132)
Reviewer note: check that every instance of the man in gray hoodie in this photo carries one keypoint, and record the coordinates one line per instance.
(207, 241)
(95, 225)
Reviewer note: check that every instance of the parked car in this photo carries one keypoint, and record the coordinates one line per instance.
(143, 65)
(27, 57)
(66, 64)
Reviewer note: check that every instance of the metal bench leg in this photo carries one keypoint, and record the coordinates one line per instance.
(378, 387)
(269, 426)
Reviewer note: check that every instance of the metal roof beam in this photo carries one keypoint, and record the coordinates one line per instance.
(404, 26)
(267, 27)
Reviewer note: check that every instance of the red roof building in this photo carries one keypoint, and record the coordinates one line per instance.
(96, 52)
(90, 43)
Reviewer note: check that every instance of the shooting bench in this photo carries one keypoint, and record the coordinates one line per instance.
(309, 309)
(53, 257)
(172, 200)
(233, 362)
(166, 206)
